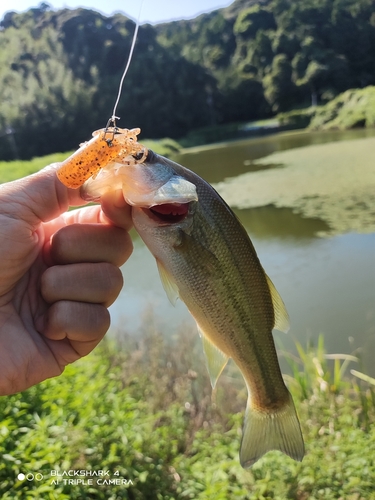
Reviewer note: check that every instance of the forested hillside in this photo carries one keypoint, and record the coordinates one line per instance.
(60, 70)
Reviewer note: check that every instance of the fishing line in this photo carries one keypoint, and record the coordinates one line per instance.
(114, 117)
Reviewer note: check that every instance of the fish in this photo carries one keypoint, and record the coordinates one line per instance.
(206, 259)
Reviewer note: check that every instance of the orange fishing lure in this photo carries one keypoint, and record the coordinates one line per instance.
(106, 146)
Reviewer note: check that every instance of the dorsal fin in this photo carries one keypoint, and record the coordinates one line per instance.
(281, 314)
(215, 358)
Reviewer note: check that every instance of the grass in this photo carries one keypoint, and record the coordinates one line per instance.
(11, 170)
(165, 147)
(143, 407)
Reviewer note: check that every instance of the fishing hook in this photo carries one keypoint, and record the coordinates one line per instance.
(112, 132)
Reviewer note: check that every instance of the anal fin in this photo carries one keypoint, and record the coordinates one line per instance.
(215, 358)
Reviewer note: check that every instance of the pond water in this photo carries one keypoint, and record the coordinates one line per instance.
(328, 284)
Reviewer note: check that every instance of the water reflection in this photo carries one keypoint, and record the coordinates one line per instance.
(280, 223)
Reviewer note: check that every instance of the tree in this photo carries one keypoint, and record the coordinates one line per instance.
(279, 89)
(251, 20)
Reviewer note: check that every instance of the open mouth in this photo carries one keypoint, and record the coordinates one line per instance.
(170, 212)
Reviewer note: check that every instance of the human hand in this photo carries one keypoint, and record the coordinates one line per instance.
(59, 272)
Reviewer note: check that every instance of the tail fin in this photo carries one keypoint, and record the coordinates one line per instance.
(264, 431)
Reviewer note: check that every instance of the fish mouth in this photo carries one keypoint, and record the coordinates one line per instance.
(168, 213)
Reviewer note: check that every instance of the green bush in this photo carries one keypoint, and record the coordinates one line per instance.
(353, 108)
(66, 424)
(297, 118)
(144, 408)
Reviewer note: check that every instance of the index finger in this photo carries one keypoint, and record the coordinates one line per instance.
(114, 211)
(90, 243)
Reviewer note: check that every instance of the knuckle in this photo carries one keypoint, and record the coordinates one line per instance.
(58, 315)
(61, 245)
(47, 284)
(126, 248)
(118, 245)
(77, 319)
(112, 283)
(103, 321)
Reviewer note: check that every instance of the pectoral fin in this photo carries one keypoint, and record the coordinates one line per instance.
(207, 263)
(215, 358)
(168, 283)
(281, 314)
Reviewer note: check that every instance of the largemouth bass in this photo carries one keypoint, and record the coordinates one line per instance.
(206, 259)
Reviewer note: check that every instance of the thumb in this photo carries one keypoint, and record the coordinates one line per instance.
(38, 198)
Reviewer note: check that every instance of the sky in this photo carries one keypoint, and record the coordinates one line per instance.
(153, 11)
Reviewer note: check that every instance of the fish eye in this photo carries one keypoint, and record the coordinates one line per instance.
(138, 156)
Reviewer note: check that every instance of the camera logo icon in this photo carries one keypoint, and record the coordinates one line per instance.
(30, 477)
